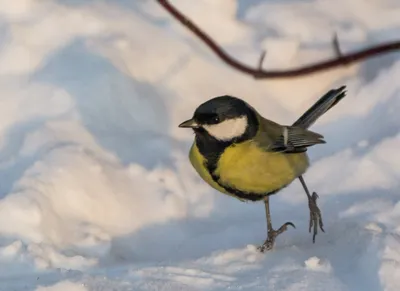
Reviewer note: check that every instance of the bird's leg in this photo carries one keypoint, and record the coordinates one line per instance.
(315, 212)
(272, 234)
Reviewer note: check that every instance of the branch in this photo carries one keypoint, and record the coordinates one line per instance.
(258, 73)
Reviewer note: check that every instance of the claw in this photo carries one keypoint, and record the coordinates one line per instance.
(321, 225)
(315, 216)
(270, 241)
(284, 227)
(291, 224)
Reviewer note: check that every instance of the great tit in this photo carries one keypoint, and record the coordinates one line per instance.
(242, 154)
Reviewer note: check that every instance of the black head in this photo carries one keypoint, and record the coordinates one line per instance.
(224, 118)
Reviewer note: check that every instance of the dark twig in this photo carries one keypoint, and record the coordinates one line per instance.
(339, 60)
(336, 46)
(260, 62)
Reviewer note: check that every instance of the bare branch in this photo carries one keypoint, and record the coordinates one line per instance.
(258, 73)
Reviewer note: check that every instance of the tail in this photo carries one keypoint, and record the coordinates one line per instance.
(325, 103)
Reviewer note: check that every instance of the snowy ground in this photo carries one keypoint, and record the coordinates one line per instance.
(96, 189)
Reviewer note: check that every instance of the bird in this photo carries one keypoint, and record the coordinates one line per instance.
(246, 156)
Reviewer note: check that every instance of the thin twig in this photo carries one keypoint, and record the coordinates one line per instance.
(340, 60)
(336, 46)
(260, 62)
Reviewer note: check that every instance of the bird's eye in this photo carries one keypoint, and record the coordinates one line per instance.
(216, 119)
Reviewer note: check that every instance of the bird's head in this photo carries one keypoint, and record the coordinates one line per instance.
(224, 118)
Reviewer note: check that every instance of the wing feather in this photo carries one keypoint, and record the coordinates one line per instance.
(288, 139)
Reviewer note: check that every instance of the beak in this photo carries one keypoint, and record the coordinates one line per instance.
(189, 124)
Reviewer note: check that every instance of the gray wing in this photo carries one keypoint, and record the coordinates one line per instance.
(295, 139)
(287, 139)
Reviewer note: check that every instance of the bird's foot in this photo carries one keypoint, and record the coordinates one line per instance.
(315, 215)
(272, 234)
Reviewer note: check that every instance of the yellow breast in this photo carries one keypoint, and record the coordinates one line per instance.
(248, 168)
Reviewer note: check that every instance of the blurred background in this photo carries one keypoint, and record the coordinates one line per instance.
(97, 192)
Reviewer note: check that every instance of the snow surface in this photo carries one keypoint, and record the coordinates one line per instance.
(97, 192)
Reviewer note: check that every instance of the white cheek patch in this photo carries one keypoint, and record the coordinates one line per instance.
(228, 129)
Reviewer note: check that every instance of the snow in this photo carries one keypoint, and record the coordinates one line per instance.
(96, 190)
(63, 286)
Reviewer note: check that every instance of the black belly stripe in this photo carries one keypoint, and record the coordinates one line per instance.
(241, 194)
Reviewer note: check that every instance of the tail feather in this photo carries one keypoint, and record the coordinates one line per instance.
(325, 103)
